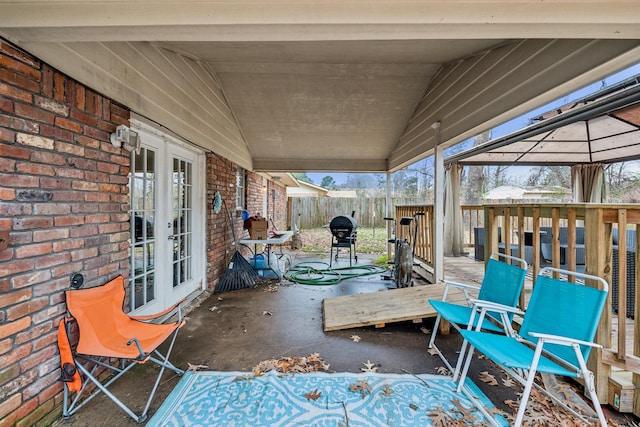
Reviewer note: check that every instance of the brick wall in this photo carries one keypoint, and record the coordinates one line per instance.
(221, 177)
(64, 198)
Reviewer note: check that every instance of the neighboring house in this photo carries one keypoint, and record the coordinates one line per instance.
(75, 203)
(507, 192)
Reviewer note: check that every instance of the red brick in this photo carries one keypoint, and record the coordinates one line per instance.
(87, 230)
(13, 180)
(50, 105)
(7, 194)
(97, 218)
(74, 149)
(68, 196)
(32, 222)
(51, 260)
(5, 346)
(34, 332)
(58, 86)
(100, 154)
(26, 308)
(15, 297)
(7, 254)
(19, 80)
(87, 142)
(97, 177)
(15, 93)
(56, 133)
(9, 405)
(80, 94)
(34, 113)
(96, 133)
(26, 410)
(45, 235)
(68, 124)
(47, 81)
(15, 267)
(84, 186)
(48, 158)
(51, 208)
(67, 244)
(7, 135)
(30, 279)
(65, 270)
(24, 125)
(11, 328)
(66, 172)
(35, 169)
(80, 163)
(69, 220)
(37, 358)
(6, 105)
(83, 117)
(96, 197)
(33, 250)
(19, 67)
(81, 254)
(14, 151)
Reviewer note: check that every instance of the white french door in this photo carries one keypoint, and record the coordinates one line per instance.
(167, 222)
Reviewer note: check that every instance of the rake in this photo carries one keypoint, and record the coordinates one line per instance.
(239, 274)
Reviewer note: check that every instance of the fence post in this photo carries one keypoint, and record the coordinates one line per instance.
(597, 263)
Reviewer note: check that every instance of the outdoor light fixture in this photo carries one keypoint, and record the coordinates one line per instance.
(126, 138)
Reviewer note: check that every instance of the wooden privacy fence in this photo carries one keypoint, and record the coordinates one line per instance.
(315, 212)
(601, 239)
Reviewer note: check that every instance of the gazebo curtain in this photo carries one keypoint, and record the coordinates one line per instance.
(453, 244)
(588, 183)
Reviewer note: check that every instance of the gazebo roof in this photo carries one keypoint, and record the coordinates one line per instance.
(603, 127)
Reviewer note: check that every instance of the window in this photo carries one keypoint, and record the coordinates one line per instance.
(240, 183)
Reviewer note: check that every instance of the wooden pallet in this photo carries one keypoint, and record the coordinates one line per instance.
(379, 308)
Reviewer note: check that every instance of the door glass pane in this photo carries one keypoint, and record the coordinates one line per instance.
(142, 185)
(182, 192)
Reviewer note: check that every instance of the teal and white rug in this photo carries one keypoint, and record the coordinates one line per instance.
(208, 398)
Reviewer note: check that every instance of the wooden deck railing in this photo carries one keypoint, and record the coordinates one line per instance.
(600, 223)
(424, 243)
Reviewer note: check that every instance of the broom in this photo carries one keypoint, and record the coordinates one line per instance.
(239, 274)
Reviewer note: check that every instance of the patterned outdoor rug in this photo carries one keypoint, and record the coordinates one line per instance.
(208, 398)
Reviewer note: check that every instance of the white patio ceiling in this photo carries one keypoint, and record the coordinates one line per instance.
(345, 85)
(601, 128)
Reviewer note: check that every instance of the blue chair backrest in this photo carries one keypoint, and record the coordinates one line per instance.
(558, 307)
(502, 283)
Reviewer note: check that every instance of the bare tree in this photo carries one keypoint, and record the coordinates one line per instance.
(475, 184)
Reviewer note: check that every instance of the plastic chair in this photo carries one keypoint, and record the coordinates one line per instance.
(556, 337)
(106, 331)
(502, 284)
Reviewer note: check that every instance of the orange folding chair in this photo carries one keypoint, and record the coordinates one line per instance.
(105, 332)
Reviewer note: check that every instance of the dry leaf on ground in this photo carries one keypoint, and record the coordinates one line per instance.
(361, 386)
(355, 338)
(313, 395)
(486, 377)
(369, 367)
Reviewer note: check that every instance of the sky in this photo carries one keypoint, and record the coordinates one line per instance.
(520, 121)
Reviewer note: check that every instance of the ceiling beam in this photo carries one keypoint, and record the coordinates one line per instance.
(264, 20)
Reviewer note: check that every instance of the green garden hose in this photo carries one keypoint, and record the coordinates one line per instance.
(309, 273)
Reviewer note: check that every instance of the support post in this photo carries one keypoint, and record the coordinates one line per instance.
(438, 208)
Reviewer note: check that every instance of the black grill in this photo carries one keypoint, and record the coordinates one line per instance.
(343, 229)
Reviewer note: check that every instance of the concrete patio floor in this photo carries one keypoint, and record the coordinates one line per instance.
(236, 330)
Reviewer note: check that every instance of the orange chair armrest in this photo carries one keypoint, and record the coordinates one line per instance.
(156, 315)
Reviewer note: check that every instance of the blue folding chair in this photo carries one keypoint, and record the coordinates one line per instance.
(502, 285)
(556, 337)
